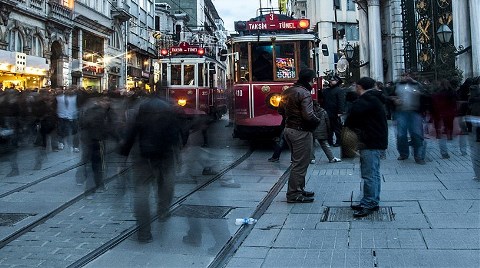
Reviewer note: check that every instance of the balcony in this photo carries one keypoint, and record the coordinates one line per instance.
(121, 11)
(59, 13)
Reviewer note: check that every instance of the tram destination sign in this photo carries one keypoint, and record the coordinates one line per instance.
(186, 48)
(273, 23)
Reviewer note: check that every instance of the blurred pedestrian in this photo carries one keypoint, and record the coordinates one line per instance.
(67, 112)
(333, 101)
(320, 133)
(156, 131)
(9, 129)
(444, 110)
(410, 103)
(474, 104)
(300, 121)
(280, 144)
(368, 119)
(94, 123)
(44, 111)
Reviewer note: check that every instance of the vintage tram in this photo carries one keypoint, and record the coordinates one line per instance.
(194, 80)
(265, 59)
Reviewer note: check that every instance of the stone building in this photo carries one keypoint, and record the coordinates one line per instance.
(432, 38)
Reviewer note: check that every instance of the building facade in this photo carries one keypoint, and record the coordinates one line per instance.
(335, 21)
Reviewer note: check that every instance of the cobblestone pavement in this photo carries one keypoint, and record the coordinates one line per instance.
(435, 211)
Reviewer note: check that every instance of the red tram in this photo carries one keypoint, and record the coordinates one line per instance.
(267, 55)
(194, 80)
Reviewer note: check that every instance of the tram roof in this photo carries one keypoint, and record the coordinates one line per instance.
(278, 37)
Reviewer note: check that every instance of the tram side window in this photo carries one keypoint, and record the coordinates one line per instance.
(262, 62)
(241, 66)
(201, 74)
(176, 78)
(189, 75)
(285, 65)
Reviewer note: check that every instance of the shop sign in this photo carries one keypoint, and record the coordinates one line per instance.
(145, 74)
(135, 72)
(20, 62)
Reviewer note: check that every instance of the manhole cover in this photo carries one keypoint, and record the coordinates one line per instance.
(9, 219)
(341, 214)
(198, 211)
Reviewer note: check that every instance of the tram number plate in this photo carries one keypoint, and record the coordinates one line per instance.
(239, 93)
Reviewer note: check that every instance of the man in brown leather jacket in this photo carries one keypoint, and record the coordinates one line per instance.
(300, 121)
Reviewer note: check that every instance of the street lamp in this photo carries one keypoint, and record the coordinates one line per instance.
(444, 34)
(349, 52)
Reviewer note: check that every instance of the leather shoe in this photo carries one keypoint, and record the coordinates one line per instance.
(359, 207)
(300, 199)
(363, 212)
(308, 194)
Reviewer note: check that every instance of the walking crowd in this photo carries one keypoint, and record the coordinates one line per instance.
(136, 127)
(355, 118)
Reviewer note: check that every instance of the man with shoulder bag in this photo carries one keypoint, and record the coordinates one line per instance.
(300, 121)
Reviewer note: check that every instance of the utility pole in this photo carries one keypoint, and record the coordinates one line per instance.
(335, 2)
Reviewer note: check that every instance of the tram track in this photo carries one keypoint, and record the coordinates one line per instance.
(54, 212)
(176, 204)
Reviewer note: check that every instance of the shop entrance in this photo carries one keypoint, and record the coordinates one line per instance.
(56, 65)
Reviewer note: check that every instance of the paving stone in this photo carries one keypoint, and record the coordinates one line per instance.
(244, 262)
(302, 221)
(378, 238)
(252, 252)
(411, 178)
(406, 258)
(318, 258)
(407, 186)
(261, 238)
(444, 206)
(402, 221)
(411, 195)
(269, 221)
(454, 220)
(459, 194)
(452, 238)
(319, 239)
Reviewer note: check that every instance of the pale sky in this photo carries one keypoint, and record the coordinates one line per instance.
(235, 10)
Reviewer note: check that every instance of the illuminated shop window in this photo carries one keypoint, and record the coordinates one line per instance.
(16, 41)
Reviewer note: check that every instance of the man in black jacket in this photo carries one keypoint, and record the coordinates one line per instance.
(368, 119)
(300, 121)
(334, 103)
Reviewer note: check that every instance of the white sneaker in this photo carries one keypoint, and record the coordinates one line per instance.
(76, 150)
(335, 160)
(60, 146)
(312, 161)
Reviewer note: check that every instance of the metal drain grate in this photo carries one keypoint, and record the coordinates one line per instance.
(9, 219)
(200, 211)
(342, 214)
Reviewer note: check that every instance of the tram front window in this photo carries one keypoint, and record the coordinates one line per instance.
(189, 75)
(285, 61)
(262, 65)
(176, 78)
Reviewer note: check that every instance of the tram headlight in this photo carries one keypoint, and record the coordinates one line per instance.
(274, 100)
(182, 102)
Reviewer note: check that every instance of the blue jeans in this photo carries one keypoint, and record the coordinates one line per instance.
(410, 122)
(370, 172)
